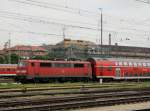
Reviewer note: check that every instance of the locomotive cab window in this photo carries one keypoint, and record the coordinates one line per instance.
(32, 64)
(45, 64)
(22, 64)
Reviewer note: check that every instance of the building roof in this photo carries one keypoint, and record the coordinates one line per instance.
(1, 52)
(27, 48)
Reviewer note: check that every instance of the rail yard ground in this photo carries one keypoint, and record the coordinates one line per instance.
(14, 85)
(145, 106)
(66, 96)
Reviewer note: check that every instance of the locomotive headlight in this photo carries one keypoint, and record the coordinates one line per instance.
(21, 71)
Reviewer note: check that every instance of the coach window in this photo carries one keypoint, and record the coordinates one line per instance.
(120, 63)
(45, 64)
(148, 64)
(126, 74)
(139, 64)
(130, 74)
(135, 64)
(78, 65)
(130, 63)
(125, 63)
(144, 64)
(8, 69)
(116, 63)
(135, 74)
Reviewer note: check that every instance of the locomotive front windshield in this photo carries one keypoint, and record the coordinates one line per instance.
(22, 64)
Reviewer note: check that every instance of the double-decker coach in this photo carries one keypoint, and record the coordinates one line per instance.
(119, 68)
(45, 70)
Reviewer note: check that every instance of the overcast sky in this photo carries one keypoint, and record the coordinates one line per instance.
(36, 22)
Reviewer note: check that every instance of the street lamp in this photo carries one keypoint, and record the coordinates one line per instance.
(101, 36)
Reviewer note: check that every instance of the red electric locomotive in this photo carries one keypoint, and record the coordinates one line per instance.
(45, 70)
(8, 70)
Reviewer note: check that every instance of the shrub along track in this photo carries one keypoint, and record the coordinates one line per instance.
(82, 99)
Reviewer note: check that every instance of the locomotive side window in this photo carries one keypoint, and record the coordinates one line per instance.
(45, 64)
(32, 64)
(78, 65)
(62, 65)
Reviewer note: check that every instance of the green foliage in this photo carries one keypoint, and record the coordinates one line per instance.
(40, 57)
(1, 60)
(14, 59)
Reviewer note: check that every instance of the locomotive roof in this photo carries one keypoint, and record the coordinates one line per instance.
(57, 61)
(120, 59)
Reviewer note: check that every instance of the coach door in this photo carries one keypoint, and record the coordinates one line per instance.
(117, 72)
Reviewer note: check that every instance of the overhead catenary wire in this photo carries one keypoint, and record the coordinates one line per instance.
(124, 33)
(80, 12)
(27, 18)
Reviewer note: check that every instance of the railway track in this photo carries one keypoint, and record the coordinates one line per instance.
(75, 101)
(64, 92)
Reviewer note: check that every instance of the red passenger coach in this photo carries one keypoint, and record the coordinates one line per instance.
(118, 69)
(8, 70)
(45, 70)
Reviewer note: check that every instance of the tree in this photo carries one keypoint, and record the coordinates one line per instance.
(1, 60)
(14, 58)
(40, 57)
